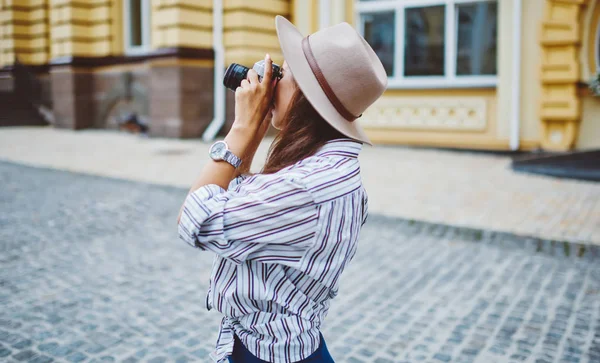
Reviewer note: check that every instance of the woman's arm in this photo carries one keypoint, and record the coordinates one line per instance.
(249, 155)
(252, 103)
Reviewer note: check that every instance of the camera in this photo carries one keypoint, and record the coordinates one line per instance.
(236, 73)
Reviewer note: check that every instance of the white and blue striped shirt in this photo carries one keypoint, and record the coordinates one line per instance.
(281, 242)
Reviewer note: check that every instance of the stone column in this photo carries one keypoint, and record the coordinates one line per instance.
(181, 90)
(181, 97)
(72, 97)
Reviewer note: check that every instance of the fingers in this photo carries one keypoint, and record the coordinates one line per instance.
(268, 70)
(253, 77)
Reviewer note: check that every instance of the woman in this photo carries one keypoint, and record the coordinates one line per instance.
(283, 237)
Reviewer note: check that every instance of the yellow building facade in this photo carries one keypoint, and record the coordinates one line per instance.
(476, 74)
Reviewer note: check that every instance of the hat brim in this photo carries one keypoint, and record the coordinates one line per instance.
(290, 41)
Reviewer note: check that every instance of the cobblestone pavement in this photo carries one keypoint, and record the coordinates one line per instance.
(91, 270)
(480, 190)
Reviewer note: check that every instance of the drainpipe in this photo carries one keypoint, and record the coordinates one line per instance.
(324, 13)
(515, 118)
(219, 89)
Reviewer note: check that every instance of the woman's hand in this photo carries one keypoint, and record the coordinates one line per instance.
(253, 102)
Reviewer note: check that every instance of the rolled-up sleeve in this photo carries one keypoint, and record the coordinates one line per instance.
(271, 221)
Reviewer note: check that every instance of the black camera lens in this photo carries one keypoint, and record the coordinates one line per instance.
(234, 75)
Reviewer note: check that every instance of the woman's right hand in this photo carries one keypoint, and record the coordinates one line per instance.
(253, 102)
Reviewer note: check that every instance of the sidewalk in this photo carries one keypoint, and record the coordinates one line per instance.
(454, 188)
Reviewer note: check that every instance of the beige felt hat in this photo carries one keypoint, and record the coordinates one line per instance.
(337, 70)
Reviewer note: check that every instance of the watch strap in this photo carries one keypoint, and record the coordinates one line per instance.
(232, 159)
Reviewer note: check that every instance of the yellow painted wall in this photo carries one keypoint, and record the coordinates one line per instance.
(81, 28)
(453, 117)
(249, 30)
(181, 23)
(589, 129)
(531, 56)
(505, 53)
(24, 32)
(561, 41)
(7, 53)
(306, 15)
(468, 119)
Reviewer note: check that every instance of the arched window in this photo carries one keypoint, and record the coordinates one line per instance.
(598, 46)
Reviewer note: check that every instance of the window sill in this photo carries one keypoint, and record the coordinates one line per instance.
(133, 51)
(436, 82)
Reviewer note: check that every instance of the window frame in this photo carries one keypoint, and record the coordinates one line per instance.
(145, 25)
(449, 79)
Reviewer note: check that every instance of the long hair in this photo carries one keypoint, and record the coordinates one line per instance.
(303, 133)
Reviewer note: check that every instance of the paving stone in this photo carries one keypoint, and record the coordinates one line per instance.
(108, 280)
(442, 357)
(41, 359)
(4, 352)
(25, 355)
(76, 357)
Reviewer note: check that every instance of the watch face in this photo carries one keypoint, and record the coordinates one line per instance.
(217, 151)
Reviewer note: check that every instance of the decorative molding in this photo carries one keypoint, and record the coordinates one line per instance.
(560, 108)
(432, 113)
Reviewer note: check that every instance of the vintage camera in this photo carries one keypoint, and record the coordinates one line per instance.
(236, 73)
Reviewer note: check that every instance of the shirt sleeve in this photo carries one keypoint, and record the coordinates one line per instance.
(274, 221)
(237, 181)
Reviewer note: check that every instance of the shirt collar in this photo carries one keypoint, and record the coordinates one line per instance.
(340, 147)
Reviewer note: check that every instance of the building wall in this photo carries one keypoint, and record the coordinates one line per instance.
(182, 23)
(589, 129)
(473, 118)
(249, 30)
(56, 32)
(82, 28)
(531, 55)
(437, 117)
(305, 15)
(24, 30)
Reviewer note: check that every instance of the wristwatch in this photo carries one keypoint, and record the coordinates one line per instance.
(219, 151)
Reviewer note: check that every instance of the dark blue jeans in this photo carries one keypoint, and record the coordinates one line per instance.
(243, 355)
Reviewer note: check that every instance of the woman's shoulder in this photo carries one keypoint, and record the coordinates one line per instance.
(326, 178)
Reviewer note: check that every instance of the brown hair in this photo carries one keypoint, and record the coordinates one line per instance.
(303, 133)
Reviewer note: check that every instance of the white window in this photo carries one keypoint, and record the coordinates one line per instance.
(433, 43)
(136, 25)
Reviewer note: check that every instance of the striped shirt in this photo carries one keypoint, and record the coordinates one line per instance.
(281, 242)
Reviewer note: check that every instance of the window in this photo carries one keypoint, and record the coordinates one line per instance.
(136, 16)
(433, 43)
